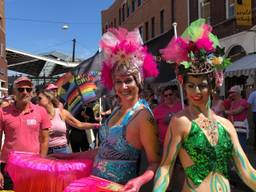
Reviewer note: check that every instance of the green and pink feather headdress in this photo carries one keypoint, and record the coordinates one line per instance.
(197, 52)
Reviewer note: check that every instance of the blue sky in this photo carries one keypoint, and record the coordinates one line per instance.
(35, 26)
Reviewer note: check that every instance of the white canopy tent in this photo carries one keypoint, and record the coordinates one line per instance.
(245, 66)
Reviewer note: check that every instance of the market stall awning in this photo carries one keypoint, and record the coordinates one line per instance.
(244, 66)
(36, 65)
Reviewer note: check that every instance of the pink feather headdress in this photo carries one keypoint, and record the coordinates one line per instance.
(121, 47)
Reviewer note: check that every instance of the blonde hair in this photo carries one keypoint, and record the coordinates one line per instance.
(51, 97)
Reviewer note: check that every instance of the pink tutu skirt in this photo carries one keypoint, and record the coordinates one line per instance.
(32, 173)
(93, 184)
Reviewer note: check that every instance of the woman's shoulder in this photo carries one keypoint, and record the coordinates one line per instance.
(226, 124)
(181, 120)
(64, 113)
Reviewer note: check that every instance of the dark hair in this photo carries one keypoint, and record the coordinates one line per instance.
(173, 88)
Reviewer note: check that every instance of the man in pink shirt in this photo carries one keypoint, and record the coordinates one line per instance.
(25, 126)
(163, 112)
(237, 113)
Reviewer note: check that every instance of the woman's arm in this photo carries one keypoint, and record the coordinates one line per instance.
(149, 140)
(44, 140)
(172, 146)
(246, 172)
(71, 120)
(235, 111)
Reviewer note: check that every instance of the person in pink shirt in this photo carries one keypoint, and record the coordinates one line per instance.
(237, 113)
(25, 126)
(59, 118)
(163, 112)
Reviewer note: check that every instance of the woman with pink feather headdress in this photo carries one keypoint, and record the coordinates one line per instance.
(204, 141)
(131, 127)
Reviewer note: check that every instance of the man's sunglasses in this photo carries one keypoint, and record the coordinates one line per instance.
(21, 89)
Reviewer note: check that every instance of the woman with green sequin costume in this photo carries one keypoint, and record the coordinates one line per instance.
(204, 141)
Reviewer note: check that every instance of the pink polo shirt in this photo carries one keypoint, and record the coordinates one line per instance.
(160, 113)
(243, 114)
(22, 129)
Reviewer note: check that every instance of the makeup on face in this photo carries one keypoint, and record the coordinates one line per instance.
(120, 81)
(200, 86)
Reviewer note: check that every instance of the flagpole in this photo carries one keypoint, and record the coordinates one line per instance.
(100, 110)
(174, 24)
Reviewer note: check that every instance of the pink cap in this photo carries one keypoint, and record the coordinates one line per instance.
(51, 86)
(235, 89)
(23, 79)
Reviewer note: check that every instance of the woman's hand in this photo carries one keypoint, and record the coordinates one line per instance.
(1, 181)
(91, 125)
(133, 185)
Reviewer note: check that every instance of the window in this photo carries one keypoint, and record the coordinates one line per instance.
(119, 19)
(133, 5)
(2, 50)
(230, 8)
(205, 9)
(162, 21)
(152, 27)
(141, 32)
(123, 12)
(139, 3)
(146, 31)
(127, 9)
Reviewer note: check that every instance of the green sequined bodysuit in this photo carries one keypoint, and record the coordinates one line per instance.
(207, 158)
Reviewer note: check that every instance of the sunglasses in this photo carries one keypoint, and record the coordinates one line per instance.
(21, 89)
(166, 95)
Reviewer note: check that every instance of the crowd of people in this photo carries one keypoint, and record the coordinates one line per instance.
(187, 148)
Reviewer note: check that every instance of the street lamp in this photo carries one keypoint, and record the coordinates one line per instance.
(65, 27)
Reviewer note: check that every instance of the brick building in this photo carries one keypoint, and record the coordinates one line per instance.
(154, 19)
(3, 62)
(239, 41)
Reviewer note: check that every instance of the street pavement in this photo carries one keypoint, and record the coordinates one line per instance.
(236, 183)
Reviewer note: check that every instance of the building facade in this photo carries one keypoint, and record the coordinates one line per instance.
(3, 62)
(153, 18)
(222, 16)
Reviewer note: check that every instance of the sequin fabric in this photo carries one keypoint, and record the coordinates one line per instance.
(117, 160)
(206, 157)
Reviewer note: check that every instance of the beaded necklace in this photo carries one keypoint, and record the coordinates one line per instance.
(209, 127)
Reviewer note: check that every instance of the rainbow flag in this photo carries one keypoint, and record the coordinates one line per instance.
(81, 90)
(78, 87)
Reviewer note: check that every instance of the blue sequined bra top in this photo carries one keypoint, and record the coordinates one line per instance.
(117, 160)
(206, 157)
